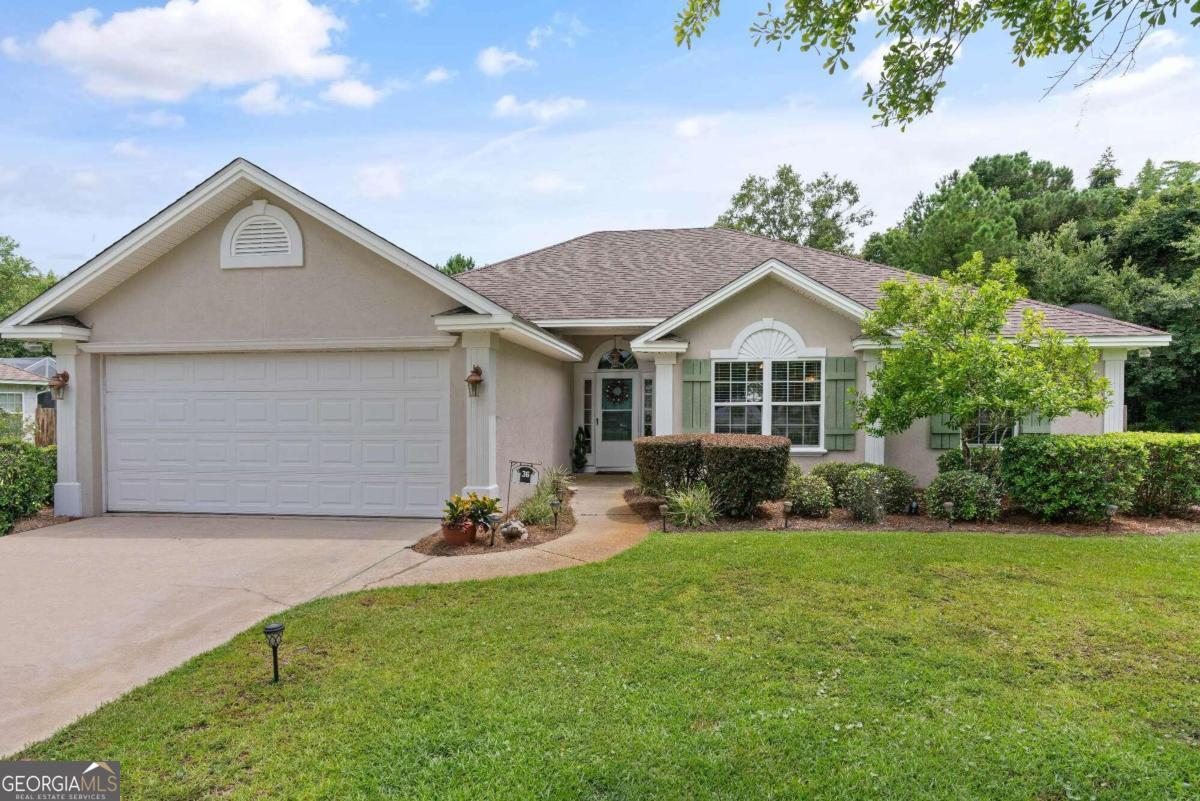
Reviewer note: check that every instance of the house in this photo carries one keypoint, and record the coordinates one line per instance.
(250, 350)
(42, 366)
(19, 391)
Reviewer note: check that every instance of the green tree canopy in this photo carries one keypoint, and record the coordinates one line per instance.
(950, 356)
(458, 263)
(20, 282)
(823, 213)
(926, 37)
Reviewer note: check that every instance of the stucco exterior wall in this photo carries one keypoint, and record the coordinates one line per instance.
(533, 412)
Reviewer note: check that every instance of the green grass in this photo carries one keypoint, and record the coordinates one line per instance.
(754, 665)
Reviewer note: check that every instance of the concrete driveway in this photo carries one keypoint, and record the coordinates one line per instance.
(93, 608)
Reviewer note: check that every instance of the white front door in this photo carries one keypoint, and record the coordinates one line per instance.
(617, 404)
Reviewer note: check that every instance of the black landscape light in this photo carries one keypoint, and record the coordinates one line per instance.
(274, 634)
(555, 505)
(949, 507)
(493, 524)
(662, 510)
(787, 512)
(1110, 511)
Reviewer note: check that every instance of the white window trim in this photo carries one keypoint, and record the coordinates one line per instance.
(819, 448)
(261, 208)
(20, 401)
(1016, 429)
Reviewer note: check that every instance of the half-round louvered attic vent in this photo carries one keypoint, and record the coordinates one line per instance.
(262, 235)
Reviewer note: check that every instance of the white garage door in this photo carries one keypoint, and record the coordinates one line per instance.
(281, 433)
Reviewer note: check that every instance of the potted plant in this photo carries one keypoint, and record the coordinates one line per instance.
(458, 528)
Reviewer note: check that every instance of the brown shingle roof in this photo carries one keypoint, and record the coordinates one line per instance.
(660, 272)
(10, 373)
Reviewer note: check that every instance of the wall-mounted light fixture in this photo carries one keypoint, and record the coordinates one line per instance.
(58, 384)
(474, 381)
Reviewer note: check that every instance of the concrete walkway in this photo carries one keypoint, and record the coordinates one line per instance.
(604, 526)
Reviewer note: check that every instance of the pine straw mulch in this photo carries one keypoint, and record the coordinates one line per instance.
(44, 517)
(769, 517)
(434, 545)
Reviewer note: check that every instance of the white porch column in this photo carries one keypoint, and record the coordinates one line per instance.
(874, 447)
(68, 494)
(1114, 371)
(481, 415)
(664, 393)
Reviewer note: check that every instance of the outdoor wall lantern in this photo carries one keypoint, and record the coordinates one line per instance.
(474, 381)
(1110, 510)
(58, 384)
(555, 506)
(662, 510)
(274, 634)
(949, 507)
(787, 512)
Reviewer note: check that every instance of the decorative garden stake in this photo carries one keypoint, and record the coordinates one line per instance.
(787, 511)
(662, 510)
(949, 507)
(274, 634)
(555, 505)
(493, 524)
(1110, 510)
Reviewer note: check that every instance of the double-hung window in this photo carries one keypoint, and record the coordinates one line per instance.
(988, 429)
(10, 402)
(777, 397)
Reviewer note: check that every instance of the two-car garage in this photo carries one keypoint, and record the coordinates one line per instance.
(309, 433)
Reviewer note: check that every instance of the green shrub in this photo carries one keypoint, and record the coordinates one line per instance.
(743, 470)
(1073, 476)
(983, 460)
(27, 476)
(535, 510)
(667, 462)
(899, 488)
(863, 492)
(835, 474)
(691, 507)
(974, 495)
(1172, 480)
(810, 495)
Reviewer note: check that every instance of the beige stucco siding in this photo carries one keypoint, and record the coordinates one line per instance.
(533, 412)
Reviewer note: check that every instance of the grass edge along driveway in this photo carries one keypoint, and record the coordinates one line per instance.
(729, 665)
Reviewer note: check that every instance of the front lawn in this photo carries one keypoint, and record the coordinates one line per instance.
(753, 665)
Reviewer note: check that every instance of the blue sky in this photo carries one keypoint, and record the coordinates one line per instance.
(495, 128)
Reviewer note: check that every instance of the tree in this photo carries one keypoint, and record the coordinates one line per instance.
(952, 357)
(1157, 233)
(822, 213)
(927, 35)
(20, 282)
(458, 263)
(1105, 174)
(1062, 268)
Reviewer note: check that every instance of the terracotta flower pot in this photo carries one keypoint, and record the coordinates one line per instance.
(459, 535)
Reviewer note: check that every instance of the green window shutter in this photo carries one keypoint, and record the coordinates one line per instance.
(1034, 424)
(841, 373)
(943, 434)
(697, 396)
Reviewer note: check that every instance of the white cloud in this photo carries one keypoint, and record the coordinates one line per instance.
(165, 53)
(551, 183)
(540, 110)
(565, 28)
(419, 6)
(439, 75)
(1161, 39)
(129, 148)
(494, 61)
(871, 67)
(379, 181)
(692, 127)
(1160, 72)
(158, 118)
(11, 48)
(265, 99)
(353, 93)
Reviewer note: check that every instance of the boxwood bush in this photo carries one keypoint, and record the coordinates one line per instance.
(668, 462)
(974, 495)
(835, 474)
(27, 476)
(899, 486)
(1172, 480)
(1073, 476)
(743, 470)
(810, 495)
(863, 492)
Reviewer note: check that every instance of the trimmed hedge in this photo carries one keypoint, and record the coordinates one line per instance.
(743, 470)
(864, 491)
(27, 476)
(899, 486)
(835, 474)
(1073, 476)
(974, 495)
(810, 495)
(668, 462)
(1172, 480)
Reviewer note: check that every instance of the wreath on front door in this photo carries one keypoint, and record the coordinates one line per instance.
(616, 392)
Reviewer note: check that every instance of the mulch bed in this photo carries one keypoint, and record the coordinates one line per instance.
(43, 518)
(434, 545)
(769, 517)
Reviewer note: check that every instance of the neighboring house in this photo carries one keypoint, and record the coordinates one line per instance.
(249, 350)
(42, 366)
(19, 396)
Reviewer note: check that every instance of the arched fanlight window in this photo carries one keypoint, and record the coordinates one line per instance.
(617, 359)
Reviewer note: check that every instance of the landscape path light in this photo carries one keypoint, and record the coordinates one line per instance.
(662, 511)
(787, 512)
(274, 634)
(555, 506)
(1110, 511)
(949, 507)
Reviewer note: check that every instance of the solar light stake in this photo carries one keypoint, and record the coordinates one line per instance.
(949, 507)
(493, 524)
(662, 510)
(1110, 510)
(274, 634)
(555, 505)
(787, 511)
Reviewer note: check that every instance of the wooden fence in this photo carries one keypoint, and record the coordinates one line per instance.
(44, 433)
